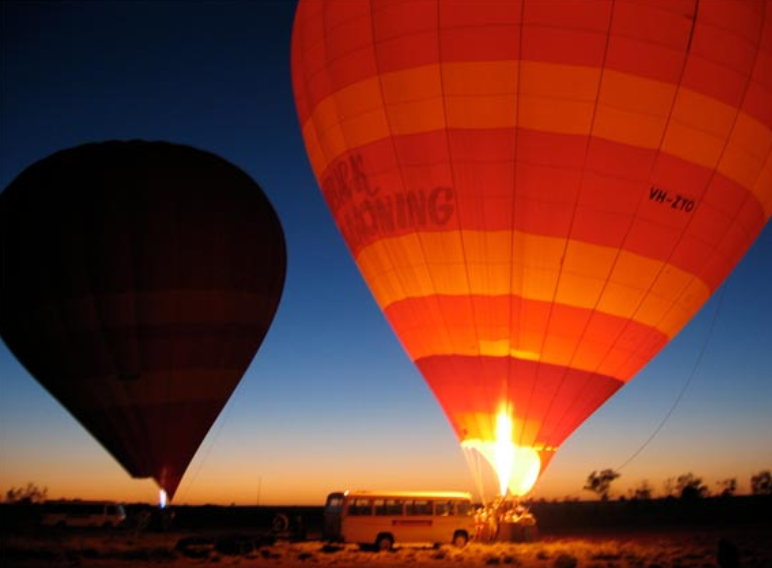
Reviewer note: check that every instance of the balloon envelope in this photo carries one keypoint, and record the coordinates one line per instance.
(540, 194)
(138, 281)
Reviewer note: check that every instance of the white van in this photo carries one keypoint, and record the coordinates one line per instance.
(383, 518)
(106, 514)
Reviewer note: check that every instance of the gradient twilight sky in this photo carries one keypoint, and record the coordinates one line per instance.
(331, 401)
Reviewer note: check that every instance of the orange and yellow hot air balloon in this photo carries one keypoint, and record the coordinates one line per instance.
(539, 193)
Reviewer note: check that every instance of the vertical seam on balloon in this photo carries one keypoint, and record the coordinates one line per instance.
(564, 373)
(590, 374)
(641, 199)
(511, 362)
(134, 424)
(401, 175)
(137, 294)
(748, 195)
(148, 387)
(386, 250)
(440, 308)
(119, 389)
(177, 311)
(452, 169)
(765, 15)
(713, 172)
(314, 117)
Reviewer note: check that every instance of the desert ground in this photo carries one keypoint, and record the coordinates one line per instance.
(709, 533)
(676, 548)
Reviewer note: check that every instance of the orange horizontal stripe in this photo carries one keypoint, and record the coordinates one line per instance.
(529, 330)
(553, 98)
(546, 269)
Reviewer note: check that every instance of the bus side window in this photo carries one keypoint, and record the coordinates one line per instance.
(418, 507)
(388, 507)
(360, 507)
(443, 508)
(464, 508)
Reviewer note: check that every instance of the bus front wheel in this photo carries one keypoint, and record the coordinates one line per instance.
(384, 542)
(460, 539)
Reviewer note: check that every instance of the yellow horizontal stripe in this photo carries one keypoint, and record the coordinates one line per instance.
(585, 353)
(547, 269)
(553, 98)
(621, 362)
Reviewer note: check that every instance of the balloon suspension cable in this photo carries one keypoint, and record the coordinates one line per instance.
(207, 449)
(685, 386)
(475, 462)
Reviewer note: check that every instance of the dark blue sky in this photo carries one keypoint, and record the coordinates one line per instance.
(331, 401)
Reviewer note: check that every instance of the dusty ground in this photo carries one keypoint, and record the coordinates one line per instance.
(680, 548)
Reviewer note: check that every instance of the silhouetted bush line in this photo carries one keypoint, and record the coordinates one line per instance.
(743, 510)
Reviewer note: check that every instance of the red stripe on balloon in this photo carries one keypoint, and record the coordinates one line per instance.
(558, 398)
(515, 321)
(337, 44)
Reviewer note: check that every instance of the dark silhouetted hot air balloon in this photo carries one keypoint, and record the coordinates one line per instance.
(138, 282)
(540, 194)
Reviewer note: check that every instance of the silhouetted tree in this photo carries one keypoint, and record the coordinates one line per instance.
(728, 486)
(26, 495)
(669, 487)
(643, 491)
(761, 483)
(689, 486)
(600, 482)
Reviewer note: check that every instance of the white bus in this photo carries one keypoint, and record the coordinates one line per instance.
(383, 518)
(82, 514)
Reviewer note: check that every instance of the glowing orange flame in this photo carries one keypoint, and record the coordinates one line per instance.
(503, 456)
(517, 467)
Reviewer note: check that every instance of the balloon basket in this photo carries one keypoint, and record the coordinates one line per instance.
(505, 521)
(523, 530)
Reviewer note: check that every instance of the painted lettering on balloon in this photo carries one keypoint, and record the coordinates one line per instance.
(365, 211)
(346, 180)
(674, 200)
(400, 212)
